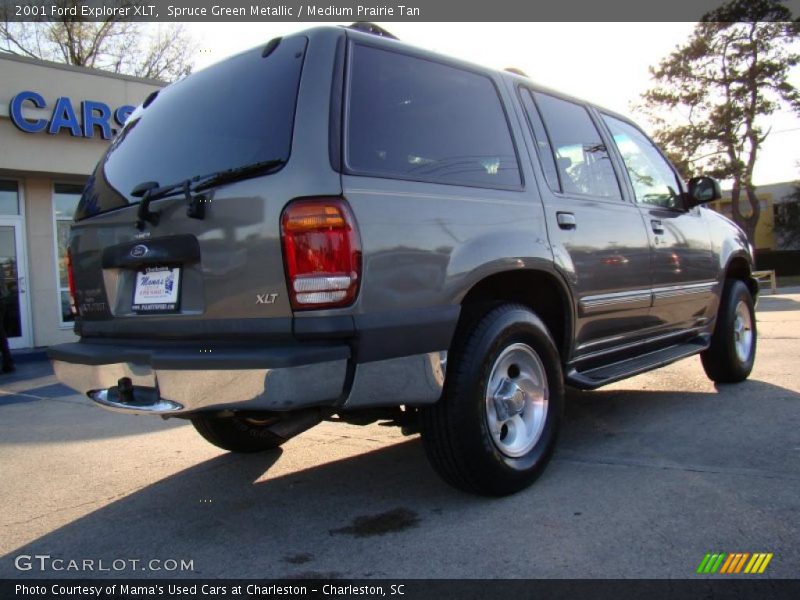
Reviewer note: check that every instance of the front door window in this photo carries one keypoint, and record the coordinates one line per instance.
(654, 182)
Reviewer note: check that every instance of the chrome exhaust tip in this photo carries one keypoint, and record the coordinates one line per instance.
(128, 398)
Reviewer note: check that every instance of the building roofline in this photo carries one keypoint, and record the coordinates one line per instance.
(75, 69)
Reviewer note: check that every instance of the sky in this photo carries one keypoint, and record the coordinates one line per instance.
(606, 63)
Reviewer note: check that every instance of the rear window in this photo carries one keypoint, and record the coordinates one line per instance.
(411, 118)
(234, 113)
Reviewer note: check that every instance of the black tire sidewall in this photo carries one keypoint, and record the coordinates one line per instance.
(736, 292)
(518, 325)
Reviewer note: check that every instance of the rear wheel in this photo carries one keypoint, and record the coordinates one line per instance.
(238, 433)
(495, 427)
(730, 357)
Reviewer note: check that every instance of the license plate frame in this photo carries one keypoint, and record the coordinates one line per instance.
(157, 290)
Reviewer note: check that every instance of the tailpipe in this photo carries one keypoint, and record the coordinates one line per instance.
(296, 422)
(133, 399)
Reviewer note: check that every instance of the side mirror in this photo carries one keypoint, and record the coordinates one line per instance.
(702, 190)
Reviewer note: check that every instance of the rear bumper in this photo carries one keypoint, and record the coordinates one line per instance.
(179, 379)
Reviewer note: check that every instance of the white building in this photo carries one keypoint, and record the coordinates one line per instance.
(55, 121)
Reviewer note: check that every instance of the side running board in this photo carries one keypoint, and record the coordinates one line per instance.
(599, 376)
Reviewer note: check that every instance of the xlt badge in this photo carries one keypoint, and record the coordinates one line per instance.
(266, 298)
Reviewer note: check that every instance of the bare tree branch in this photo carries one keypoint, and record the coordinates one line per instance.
(165, 52)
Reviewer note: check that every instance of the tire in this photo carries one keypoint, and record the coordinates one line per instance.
(730, 357)
(463, 432)
(237, 433)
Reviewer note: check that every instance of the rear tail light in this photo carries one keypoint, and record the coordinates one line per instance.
(321, 253)
(71, 284)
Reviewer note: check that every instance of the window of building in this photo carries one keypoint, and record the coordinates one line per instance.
(9, 265)
(653, 180)
(417, 119)
(65, 201)
(9, 197)
(581, 157)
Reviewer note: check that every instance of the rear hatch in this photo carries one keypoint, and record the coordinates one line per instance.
(177, 234)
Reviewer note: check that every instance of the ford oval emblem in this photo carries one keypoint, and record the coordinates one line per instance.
(139, 250)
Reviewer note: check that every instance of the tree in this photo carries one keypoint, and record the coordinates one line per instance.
(140, 49)
(722, 84)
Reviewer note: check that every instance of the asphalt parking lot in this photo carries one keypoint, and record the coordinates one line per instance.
(651, 474)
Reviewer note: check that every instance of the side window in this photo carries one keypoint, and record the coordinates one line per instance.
(654, 181)
(581, 157)
(417, 119)
(543, 148)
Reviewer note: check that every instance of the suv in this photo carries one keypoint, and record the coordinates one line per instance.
(339, 226)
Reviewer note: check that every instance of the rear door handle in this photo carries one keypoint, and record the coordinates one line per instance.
(566, 220)
(657, 226)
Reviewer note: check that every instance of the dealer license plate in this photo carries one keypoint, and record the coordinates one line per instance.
(157, 289)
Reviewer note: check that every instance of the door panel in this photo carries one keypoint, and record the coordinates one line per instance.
(607, 258)
(599, 239)
(683, 269)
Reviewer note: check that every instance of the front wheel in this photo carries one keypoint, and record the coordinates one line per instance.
(730, 357)
(495, 427)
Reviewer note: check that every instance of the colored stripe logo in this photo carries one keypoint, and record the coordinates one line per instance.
(734, 563)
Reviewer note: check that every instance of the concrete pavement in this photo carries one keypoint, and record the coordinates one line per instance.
(651, 473)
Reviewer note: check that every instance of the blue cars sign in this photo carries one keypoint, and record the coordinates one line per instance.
(90, 117)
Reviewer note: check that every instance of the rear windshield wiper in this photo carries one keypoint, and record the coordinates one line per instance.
(150, 190)
(236, 174)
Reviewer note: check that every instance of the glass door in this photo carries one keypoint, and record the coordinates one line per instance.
(13, 285)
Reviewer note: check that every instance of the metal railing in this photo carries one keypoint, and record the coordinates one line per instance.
(764, 275)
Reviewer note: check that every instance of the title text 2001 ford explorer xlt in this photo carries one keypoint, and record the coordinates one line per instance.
(339, 226)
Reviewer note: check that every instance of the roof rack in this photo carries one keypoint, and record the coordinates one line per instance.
(516, 71)
(371, 28)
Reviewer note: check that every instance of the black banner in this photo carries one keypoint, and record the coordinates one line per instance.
(360, 10)
(414, 589)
